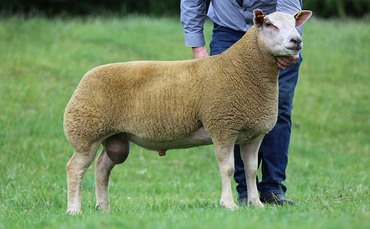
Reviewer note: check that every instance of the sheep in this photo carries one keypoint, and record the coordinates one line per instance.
(227, 99)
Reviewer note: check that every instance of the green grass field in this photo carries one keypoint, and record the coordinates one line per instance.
(42, 62)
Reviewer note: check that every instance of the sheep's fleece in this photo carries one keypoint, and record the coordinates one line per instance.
(161, 105)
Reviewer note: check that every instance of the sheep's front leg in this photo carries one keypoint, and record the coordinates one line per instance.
(225, 159)
(249, 154)
(76, 168)
(104, 166)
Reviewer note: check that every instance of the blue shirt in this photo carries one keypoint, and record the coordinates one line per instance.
(233, 14)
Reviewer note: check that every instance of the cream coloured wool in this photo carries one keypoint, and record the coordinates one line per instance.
(160, 105)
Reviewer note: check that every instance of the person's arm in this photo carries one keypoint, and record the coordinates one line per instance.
(193, 15)
(290, 7)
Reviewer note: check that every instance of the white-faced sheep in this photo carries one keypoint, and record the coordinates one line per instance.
(160, 105)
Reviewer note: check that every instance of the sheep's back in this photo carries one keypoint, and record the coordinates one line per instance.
(149, 99)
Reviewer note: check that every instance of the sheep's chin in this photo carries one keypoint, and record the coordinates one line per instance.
(287, 52)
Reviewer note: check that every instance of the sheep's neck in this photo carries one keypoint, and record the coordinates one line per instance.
(248, 71)
(251, 56)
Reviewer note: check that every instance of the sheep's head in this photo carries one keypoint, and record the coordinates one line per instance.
(278, 31)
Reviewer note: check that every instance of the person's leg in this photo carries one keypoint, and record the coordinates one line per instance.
(239, 177)
(274, 149)
(222, 39)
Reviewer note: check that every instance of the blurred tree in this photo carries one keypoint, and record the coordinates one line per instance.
(338, 8)
(84, 7)
(321, 8)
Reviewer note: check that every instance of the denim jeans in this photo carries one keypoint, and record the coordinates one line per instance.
(273, 153)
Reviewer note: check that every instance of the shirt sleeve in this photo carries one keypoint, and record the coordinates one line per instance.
(290, 7)
(193, 15)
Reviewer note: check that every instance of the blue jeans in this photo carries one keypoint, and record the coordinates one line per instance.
(273, 153)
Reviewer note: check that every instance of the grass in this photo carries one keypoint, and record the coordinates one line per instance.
(43, 61)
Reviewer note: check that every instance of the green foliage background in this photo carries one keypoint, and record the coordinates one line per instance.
(322, 8)
(338, 8)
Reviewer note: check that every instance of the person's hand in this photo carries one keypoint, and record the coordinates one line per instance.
(285, 61)
(200, 52)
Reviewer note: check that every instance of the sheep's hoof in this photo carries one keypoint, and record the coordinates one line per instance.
(102, 207)
(230, 206)
(255, 203)
(74, 212)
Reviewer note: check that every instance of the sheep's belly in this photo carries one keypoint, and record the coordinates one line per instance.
(198, 138)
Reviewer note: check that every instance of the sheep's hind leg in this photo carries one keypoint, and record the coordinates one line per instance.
(225, 159)
(76, 168)
(115, 151)
(104, 166)
(249, 154)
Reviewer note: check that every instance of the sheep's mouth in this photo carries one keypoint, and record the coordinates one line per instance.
(296, 47)
(293, 50)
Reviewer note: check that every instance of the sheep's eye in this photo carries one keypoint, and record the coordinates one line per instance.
(268, 24)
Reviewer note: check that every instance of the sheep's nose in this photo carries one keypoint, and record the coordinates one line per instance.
(297, 43)
(296, 40)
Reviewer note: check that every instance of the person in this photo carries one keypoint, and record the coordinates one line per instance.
(231, 19)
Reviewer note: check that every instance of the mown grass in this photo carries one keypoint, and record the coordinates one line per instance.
(43, 60)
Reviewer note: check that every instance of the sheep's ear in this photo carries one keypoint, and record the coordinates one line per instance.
(301, 17)
(258, 18)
